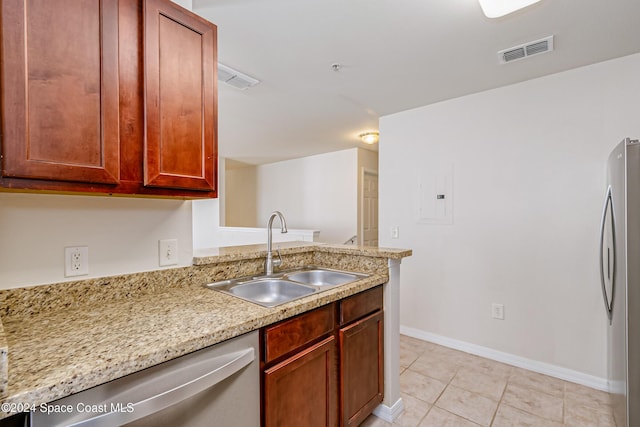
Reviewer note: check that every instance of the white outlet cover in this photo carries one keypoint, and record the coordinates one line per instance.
(76, 261)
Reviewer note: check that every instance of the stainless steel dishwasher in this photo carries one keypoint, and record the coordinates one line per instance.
(216, 386)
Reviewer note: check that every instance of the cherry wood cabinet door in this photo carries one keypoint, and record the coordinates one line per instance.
(302, 390)
(59, 90)
(180, 106)
(361, 368)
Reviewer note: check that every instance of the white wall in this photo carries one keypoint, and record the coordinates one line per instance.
(206, 223)
(528, 182)
(241, 197)
(317, 192)
(238, 236)
(122, 235)
(187, 4)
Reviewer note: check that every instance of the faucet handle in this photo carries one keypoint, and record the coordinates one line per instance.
(278, 262)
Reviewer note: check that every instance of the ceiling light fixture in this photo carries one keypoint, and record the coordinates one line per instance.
(498, 8)
(370, 137)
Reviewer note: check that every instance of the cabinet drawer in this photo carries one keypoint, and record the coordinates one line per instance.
(292, 334)
(359, 305)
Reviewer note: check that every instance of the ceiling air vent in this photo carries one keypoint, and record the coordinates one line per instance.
(525, 50)
(235, 78)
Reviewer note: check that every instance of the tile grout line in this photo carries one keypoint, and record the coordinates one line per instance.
(440, 395)
(531, 383)
(504, 390)
(564, 403)
(431, 405)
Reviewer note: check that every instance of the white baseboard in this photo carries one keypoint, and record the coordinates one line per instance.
(389, 413)
(510, 359)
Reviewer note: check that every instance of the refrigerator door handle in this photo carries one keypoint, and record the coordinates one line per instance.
(607, 212)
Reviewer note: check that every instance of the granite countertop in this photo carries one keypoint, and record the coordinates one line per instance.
(234, 253)
(79, 341)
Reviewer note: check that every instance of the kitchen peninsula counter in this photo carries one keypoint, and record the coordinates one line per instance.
(64, 338)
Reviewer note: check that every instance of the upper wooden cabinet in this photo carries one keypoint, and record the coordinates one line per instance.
(60, 90)
(179, 51)
(108, 96)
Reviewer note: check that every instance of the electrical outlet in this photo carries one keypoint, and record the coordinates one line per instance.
(497, 311)
(168, 252)
(76, 261)
(395, 232)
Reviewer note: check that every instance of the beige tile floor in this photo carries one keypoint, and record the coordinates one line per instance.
(441, 387)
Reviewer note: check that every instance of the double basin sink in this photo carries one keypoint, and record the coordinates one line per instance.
(285, 286)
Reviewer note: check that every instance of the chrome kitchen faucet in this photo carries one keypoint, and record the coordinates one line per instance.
(269, 263)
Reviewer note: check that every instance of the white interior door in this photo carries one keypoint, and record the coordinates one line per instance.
(370, 209)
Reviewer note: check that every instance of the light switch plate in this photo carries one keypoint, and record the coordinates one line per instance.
(168, 252)
(497, 311)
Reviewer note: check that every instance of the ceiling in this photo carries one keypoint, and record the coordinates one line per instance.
(394, 54)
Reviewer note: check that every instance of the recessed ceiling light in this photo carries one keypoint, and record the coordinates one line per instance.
(498, 8)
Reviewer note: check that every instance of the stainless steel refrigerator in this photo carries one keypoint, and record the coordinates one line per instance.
(620, 277)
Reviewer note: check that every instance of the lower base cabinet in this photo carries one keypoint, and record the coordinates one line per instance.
(301, 391)
(324, 368)
(361, 368)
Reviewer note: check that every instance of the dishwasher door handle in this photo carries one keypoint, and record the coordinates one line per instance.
(225, 366)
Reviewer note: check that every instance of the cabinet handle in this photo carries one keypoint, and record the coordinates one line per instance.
(611, 272)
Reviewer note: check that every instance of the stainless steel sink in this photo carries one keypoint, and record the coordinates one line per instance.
(269, 292)
(285, 286)
(322, 277)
